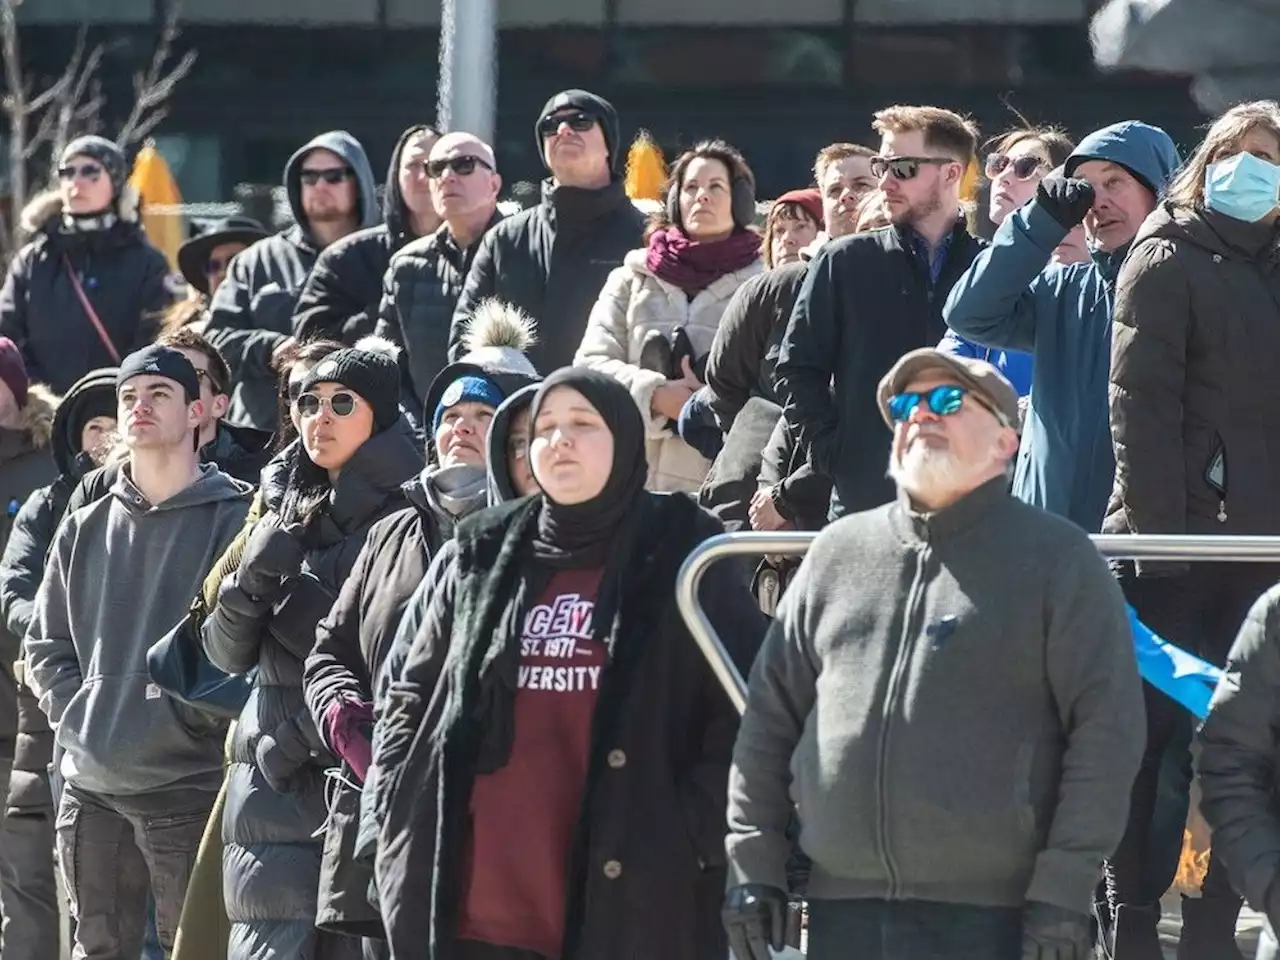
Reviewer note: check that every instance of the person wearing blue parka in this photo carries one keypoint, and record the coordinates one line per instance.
(1013, 298)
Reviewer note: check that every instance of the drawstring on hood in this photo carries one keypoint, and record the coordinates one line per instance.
(350, 150)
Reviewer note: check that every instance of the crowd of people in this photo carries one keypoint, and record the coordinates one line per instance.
(337, 597)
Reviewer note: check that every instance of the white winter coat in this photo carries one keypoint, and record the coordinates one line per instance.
(633, 302)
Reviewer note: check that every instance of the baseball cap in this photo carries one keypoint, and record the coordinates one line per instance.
(980, 378)
(160, 362)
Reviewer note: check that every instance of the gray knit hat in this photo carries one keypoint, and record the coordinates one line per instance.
(106, 153)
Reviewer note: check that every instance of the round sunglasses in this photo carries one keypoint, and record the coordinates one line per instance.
(1024, 167)
(342, 404)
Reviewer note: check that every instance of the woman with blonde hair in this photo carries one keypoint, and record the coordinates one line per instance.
(1195, 421)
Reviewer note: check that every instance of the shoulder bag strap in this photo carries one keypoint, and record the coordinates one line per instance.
(91, 313)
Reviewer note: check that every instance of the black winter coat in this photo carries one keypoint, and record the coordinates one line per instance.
(271, 857)
(647, 866)
(866, 300)
(551, 261)
(420, 291)
(122, 275)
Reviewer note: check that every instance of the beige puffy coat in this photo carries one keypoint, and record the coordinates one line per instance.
(633, 302)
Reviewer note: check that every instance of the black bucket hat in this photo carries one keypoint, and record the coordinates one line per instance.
(193, 254)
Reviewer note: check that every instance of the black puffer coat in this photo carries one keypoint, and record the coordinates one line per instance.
(271, 858)
(122, 275)
(419, 293)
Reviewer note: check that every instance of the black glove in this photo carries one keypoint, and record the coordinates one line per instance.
(271, 555)
(755, 917)
(1054, 933)
(1066, 199)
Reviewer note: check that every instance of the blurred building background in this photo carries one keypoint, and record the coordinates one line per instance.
(779, 78)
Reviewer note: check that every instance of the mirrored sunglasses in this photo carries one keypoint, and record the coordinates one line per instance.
(942, 401)
(904, 168)
(1024, 167)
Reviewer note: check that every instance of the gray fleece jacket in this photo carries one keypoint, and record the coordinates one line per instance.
(952, 704)
(121, 573)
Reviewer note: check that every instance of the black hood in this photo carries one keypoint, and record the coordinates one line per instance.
(394, 212)
(92, 395)
(501, 488)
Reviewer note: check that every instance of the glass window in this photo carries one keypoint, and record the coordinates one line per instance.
(727, 58)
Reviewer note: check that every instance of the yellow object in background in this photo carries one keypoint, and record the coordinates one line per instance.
(160, 202)
(646, 169)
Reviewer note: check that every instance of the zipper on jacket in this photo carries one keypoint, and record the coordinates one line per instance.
(900, 662)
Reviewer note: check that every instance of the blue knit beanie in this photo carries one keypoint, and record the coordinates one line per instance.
(468, 389)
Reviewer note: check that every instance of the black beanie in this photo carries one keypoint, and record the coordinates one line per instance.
(106, 153)
(375, 376)
(587, 102)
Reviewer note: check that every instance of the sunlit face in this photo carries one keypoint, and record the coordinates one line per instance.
(214, 400)
(155, 413)
(519, 465)
(85, 186)
(1008, 190)
(844, 183)
(415, 187)
(332, 440)
(575, 157)
(791, 232)
(461, 434)
(97, 437)
(1120, 204)
(572, 448)
(457, 193)
(322, 201)
(934, 187)
(706, 199)
(939, 458)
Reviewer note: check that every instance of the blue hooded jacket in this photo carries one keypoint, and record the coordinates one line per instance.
(1014, 364)
(1061, 314)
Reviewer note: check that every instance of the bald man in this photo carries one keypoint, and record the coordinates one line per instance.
(422, 284)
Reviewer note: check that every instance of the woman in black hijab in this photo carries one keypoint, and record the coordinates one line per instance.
(569, 799)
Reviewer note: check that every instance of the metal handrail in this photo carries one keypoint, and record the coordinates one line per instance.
(1121, 547)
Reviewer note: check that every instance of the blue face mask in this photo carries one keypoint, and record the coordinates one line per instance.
(1244, 187)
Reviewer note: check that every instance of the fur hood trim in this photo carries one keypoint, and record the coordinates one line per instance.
(46, 207)
(37, 415)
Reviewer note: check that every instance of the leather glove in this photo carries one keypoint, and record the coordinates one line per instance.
(271, 555)
(1054, 933)
(1066, 199)
(755, 917)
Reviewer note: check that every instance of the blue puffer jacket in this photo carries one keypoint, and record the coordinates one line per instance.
(1009, 299)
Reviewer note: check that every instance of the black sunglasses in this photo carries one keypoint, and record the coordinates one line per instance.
(342, 404)
(1023, 167)
(579, 122)
(212, 266)
(332, 175)
(213, 383)
(904, 168)
(462, 166)
(89, 171)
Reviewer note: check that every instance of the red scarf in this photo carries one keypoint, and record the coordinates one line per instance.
(694, 266)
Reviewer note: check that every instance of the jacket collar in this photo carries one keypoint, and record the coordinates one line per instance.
(574, 205)
(969, 511)
(374, 473)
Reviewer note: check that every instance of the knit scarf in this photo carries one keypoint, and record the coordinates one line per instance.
(91, 223)
(693, 266)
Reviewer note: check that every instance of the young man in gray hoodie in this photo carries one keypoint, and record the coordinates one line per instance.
(948, 701)
(141, 770)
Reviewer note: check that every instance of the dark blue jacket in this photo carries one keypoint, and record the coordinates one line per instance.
(1011, 300)
(1014, 364)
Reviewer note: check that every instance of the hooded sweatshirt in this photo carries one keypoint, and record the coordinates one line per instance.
(340, 299)
(1061, 314)
(121, 574)
(252, 312)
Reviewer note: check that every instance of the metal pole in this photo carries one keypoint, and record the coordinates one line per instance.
(1125, 547)
(468, 67)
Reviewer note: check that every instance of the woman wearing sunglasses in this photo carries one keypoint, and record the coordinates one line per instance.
(354, 452)
(88, 289)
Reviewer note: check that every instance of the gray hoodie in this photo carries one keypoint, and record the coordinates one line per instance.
(121, 574)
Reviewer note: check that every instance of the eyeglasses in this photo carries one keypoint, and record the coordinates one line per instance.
(579, 122)
(904, 168)
(1023, 167)
(342, 404)
(330, 175)
(88, 171)
(943, 401)
(462, 166)
(213, 384)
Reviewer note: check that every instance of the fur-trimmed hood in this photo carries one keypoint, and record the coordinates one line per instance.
(44, 211)
(37, 415)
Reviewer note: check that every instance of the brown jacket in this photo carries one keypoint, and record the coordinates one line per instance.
(1195, 402)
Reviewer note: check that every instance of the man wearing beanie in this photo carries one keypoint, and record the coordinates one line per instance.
(141, 770)
(1014, 297)
(88, 288)
(332, 194)
(552, 260)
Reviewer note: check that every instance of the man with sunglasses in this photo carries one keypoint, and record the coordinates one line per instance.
(960, 731)
(870, 297)
(341, 296)
(331, 194)
(1015, 297)
(88, 288)
(552, 260)
(421, 287)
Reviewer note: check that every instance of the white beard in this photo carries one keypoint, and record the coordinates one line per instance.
(925, 472)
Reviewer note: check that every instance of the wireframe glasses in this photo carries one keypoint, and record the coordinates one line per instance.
(342, 404)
